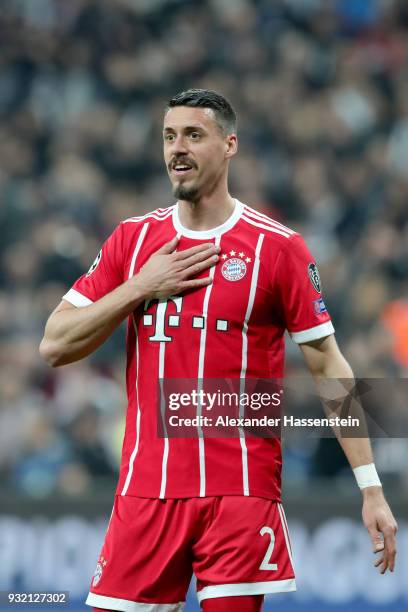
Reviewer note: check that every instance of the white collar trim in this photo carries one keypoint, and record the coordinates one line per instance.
(210, 233)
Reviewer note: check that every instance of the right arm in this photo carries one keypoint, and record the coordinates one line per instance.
(73, 333)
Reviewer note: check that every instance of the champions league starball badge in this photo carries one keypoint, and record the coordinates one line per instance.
(95, 263)
(314, 277)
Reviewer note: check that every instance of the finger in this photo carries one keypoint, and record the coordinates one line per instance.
(198, 258)
(390, 548)
(378, 546)
(391, 564)
(383, 567)
(200, 248)
(200, 266)
(376, 538)
(384, 563)
(195, 283)
(381, 564)
(169, 247)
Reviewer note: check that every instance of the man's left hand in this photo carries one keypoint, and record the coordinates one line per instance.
(381, 526)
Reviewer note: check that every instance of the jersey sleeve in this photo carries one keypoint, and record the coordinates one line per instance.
(304, 311)
(105, 274)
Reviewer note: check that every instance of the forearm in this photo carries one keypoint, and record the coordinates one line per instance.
(74, 333)
(334, 380)
(336, 387)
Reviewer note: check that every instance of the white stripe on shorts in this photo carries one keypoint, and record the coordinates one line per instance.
(125, 605)
(285, 531)
(246, 588)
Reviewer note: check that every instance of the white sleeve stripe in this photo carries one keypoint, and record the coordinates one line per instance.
(77, 299)
(314, 333)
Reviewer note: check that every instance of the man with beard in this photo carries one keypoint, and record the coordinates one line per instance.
(209, 286)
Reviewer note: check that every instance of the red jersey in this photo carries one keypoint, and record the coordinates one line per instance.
(265, 282)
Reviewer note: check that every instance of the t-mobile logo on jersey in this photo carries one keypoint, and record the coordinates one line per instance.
(173, 320)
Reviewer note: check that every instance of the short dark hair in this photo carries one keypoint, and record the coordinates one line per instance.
(206, 98)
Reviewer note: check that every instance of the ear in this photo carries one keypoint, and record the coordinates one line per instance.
(231, 145)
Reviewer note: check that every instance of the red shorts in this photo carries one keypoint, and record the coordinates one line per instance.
(234, 545)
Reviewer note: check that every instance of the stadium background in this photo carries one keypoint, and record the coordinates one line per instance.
(321, 92)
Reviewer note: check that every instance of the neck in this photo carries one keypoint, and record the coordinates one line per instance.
(208, 212)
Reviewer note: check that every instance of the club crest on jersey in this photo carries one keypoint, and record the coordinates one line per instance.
(95, 263)
(314, 277)
(234, 267)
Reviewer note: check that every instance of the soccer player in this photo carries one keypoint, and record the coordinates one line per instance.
(209, 286)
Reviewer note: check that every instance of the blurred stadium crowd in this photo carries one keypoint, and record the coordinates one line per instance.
(321, 92)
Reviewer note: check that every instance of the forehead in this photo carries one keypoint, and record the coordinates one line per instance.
(181, 117)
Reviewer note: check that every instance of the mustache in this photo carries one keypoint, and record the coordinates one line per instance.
(181, 159)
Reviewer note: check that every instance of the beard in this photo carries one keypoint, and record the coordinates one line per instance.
(189, 194)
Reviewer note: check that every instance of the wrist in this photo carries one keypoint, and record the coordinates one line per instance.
(370, 493)
(139, 292)
(367, 477)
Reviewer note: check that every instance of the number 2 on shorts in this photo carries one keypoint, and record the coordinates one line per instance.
(266, 565)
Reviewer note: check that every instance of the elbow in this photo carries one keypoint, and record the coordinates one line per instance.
(51, 352)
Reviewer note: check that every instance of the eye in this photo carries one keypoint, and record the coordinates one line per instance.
(169, 137)
(195, 135)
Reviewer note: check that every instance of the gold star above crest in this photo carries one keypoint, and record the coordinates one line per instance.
(223, 256)
(232, 253)
(241, 254)
(248, 259)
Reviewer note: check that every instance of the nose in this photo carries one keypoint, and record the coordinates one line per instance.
(178, 145)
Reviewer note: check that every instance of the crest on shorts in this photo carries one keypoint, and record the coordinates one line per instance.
(314, 277)
(98, 571)
(95, 263)
(98, 574)
(234, 267)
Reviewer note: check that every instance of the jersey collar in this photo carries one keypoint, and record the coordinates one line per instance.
(214, 232)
